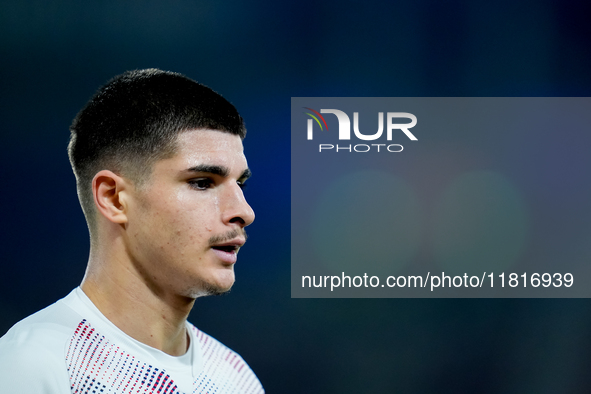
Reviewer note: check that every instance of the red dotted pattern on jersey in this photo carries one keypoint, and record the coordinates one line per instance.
(95, 365)
(98, 366)
(224, 372)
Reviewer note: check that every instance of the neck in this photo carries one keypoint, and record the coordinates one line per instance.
(146, 313)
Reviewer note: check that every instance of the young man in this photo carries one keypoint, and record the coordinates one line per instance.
(159, 167)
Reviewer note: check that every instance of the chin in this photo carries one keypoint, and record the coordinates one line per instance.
(218, 286)
(214, 289)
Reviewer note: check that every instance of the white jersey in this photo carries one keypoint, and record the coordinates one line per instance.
(71, 347)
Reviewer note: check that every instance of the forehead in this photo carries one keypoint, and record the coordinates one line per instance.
(210, 146)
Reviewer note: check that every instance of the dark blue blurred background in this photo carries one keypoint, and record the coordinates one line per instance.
(258, 54)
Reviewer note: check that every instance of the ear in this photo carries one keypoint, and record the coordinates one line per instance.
(110, 192)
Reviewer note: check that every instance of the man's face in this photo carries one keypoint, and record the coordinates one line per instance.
(186, 224)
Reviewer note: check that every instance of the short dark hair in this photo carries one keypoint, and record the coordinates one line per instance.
(134, 120)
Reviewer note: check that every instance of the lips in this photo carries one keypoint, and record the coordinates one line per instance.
(228, 251)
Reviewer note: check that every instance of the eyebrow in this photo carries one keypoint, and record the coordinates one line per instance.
(219, 170)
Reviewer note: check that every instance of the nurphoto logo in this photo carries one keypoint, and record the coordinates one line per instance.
(345, 130)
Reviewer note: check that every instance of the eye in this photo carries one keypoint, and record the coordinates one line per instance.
(241, 184)
(201, 183)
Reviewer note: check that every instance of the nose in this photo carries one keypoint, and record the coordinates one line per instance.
(237, 210)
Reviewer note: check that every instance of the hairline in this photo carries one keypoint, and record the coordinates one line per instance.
(169, 151)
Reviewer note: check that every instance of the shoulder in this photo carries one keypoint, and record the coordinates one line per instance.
(222, 364)
(32, 351)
